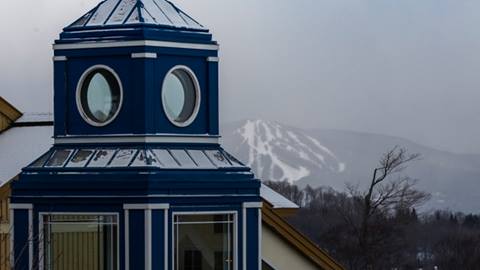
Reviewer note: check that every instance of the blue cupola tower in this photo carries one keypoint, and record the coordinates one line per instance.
(136, 178)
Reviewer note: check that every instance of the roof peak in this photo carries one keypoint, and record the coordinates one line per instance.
(118, 13)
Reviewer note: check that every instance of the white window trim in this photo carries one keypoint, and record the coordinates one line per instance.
(150, 43)
(235, 232)
(198, 99)
(78, 97)
(144, 55)
(41, 251)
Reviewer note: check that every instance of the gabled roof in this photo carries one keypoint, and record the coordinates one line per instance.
(8, 114)
(129, 12)
(294, 238)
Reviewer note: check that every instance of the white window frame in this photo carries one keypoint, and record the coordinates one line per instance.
(41, 251)
(235, 232)
(78, 95)
(198, 99)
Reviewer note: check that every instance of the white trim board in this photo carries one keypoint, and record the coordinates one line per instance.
(21, 206)
(136, 43)
(252, 205)
(59, 58)
(213, 59)
(134, 139)
(152, 206)
(148, 239)
(144, 55)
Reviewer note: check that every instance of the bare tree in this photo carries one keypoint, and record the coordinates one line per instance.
(387, 191)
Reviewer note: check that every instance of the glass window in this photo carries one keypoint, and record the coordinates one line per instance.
(201, 159)
(59, 158)
(145, 158)
(80, 158)
(218, 158)
(80, 242)
(41, 161)
(100, 96)
(165, 158)
(123, 158)
(180, 96)
(101, 158)
(183, 158)
(204, 242)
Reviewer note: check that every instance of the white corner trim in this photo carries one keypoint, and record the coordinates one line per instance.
(148, 239)
(144, 55)
(252, 205)
(152, 206)
(139, 139)
(138, 43)
(260, 238)
(21, 206)
(165, 239)
(213, 59)
(30, 239)
(59, 58)
(127, 240)
(244, 238)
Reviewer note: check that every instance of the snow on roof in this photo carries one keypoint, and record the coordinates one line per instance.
(19, 146)
(276, 199)
(127, 12)
(35, 118)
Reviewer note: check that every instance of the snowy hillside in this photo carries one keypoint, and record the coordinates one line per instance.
(334, 158)
(272, 148)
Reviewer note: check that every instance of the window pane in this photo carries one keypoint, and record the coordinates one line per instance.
(165, 159)
(204, 242)
(218, 158)
(101, 158)
(183, 158)
(59, 158)
(201, 159)
(100, 96)
(145, 158)
(80, 158)
(80, 242)
(41, 161)
(123, 158)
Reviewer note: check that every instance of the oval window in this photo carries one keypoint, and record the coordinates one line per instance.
(99, 96)
(181, 96)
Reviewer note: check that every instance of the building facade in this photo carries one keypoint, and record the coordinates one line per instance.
(136, 178)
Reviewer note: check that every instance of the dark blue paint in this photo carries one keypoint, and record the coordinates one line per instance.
(137, 239)
(107, 190)
(158, 239)
(21, 248)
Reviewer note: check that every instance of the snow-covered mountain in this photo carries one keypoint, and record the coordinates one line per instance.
(333, 158)
(272, 147)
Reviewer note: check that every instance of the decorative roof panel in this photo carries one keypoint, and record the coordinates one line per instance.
(160, 158)
(128, 12)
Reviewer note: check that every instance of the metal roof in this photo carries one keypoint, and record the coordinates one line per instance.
(95, 158)
(129, 12)
(277, 200)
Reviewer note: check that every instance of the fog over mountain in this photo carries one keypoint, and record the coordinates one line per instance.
(406, 68)
(320, 157)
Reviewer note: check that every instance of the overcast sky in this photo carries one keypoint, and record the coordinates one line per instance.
(406, 68)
